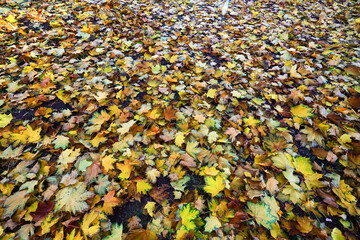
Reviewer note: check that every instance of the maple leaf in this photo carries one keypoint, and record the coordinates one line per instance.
(99, 138)
(159, 194)
(232, 132)
(303, 165)
(179, 139)
(33, 135)
(212, 223)
(251, 121)
(188, 215)
(142, 234)
(126, 169)
(61, 142)
(68, 156)
(116, 232)
(312, 135)
(110, 202)
(42, 210)
(214, 185)
(191, 148)
(262, 214)
(213, 137)
(336, 234)
(143, 187)
(48, 222)
(107, 162)
(100, 118)
(89, 225)
(125, 127)
(274, 143)
(169, 114)
(282, 160)
(152, 174)
(15, 202)
(150, 207)
(5, 120)
(301, 111)
(72, 198)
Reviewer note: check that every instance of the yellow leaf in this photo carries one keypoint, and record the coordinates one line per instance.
(126, 169)
(262, 214)
(33, 135)
(211, 93)
(109, 202)
(100, 118)
(89, 225)
(68, 156)
(179, 139)
(294, 73)
(188, 215)
(11, 19)
(152, 175)
(98, 139)
(301, 111)
(5, 120)
(61, 142)
(344, 193)
(107, 162)
(153, 114)
(213, 137)
(48, 222)
(173, 58)
(345, 138)
(150, 207)
(191, 148)
(230, 65)
(303, 165)
(251, 121)
(125, 127)
(143, 187)
(336, 234)
(212, 223)
(214, 186)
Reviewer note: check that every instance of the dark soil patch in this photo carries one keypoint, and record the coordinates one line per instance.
(130, 209)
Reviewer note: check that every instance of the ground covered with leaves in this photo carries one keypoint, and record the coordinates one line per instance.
(166, 120)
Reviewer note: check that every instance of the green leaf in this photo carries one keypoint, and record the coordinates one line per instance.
(155, 69)
(303, 165)
(61, 142)
(191, 148)
(188, 215)
(262, 214)
(116, 232)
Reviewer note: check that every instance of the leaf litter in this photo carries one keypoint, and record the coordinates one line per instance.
(167, 120)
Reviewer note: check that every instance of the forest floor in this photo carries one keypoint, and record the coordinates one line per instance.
(167, 120)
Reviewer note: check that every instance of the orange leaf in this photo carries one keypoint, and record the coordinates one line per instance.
(109, 202)
(169, 114)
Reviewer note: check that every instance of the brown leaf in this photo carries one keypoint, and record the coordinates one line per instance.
(352, 70)
(319, 152)
(142, 235)
(42, 210)
(159, 194)
(354, 102)
(169, 114)
(331, 157)
(134, 222)
(187, 160)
